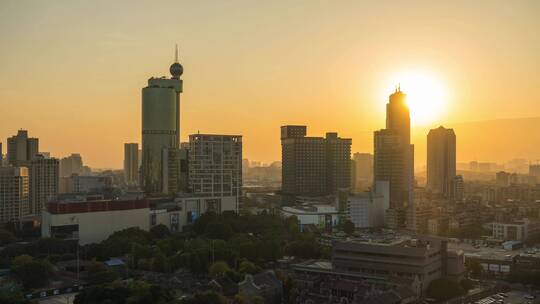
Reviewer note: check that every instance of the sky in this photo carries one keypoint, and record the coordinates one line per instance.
(71, 72)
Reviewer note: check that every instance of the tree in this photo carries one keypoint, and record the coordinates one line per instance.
(474, 268)
(348, 227)
(205, 298)
(218, 268)
(98, 273)
(32, 273)
(6, 237)
(444, 289)
(247, 267)
(12, 297)
(121, 293)
(160, 232)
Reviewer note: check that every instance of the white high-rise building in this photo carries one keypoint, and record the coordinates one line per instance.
(44, 179)
(14, 193)
(160, 125)
(215, 168)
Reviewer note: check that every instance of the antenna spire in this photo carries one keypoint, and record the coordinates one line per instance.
(176, 53)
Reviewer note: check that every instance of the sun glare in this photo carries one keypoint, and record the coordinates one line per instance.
(426, 96)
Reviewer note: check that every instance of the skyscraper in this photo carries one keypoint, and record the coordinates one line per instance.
(394, 161)
(160, 125)
(14, 193)
(441, 161)
(314, 166)
(44, 178)
(215, 168)
(131, 163)
(21, 149)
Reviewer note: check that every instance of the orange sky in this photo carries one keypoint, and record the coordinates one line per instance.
(71, 72)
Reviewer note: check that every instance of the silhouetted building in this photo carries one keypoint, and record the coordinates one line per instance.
(394, 162)
(43, 182)
(441, 161)
(502, 178)
(314, 165)
(160, 127)
(14, 194)
(131, 163)
(21, 149)
(215, 167)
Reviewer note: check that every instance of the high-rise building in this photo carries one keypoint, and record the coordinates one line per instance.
(14, 194)
(70, 165)
(131, 163)
(314, 166)
(363, 171)
(441, 161)
(1, 155)
(44, 178)
(215, 167)
(534, 170)
(160, 125)
(394, 161)
(502, 178)
(459, 188)
(21, 149)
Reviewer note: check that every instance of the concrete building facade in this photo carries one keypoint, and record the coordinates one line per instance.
(44, 179)
(394, 161)
(21, 149)
(14, 194)
(314, 166)
(215, 165)
(160, 125)
(131, 163)
(93, 221)
(441, 161)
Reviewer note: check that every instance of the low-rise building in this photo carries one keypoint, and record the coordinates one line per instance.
(521, 230)
(184, 210)
(366, 209)
(322, 216)
(92, 221)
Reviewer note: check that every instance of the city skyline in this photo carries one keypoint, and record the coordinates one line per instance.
(352, 72)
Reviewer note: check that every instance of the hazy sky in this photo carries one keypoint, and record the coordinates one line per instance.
(71, 72)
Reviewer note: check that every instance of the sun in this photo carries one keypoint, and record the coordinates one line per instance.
(426, 96)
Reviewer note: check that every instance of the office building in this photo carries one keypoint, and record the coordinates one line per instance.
(367, 209)
(421, 260)
(43, 173)
(502, 179)
(186, 208)
(14, 194)
(459, 188)
(394, 161)
(72, 164)
(314, 166)
(160, 126)
(215, 166)
(92, 221)
(441, 161)
(534, 170)
(131, 163)
(21, 149)
(325, 217)
(363, 171)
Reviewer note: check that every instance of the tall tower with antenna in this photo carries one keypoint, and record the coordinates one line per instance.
(161, 129)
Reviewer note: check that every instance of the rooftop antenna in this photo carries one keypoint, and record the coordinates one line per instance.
(176, 53)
